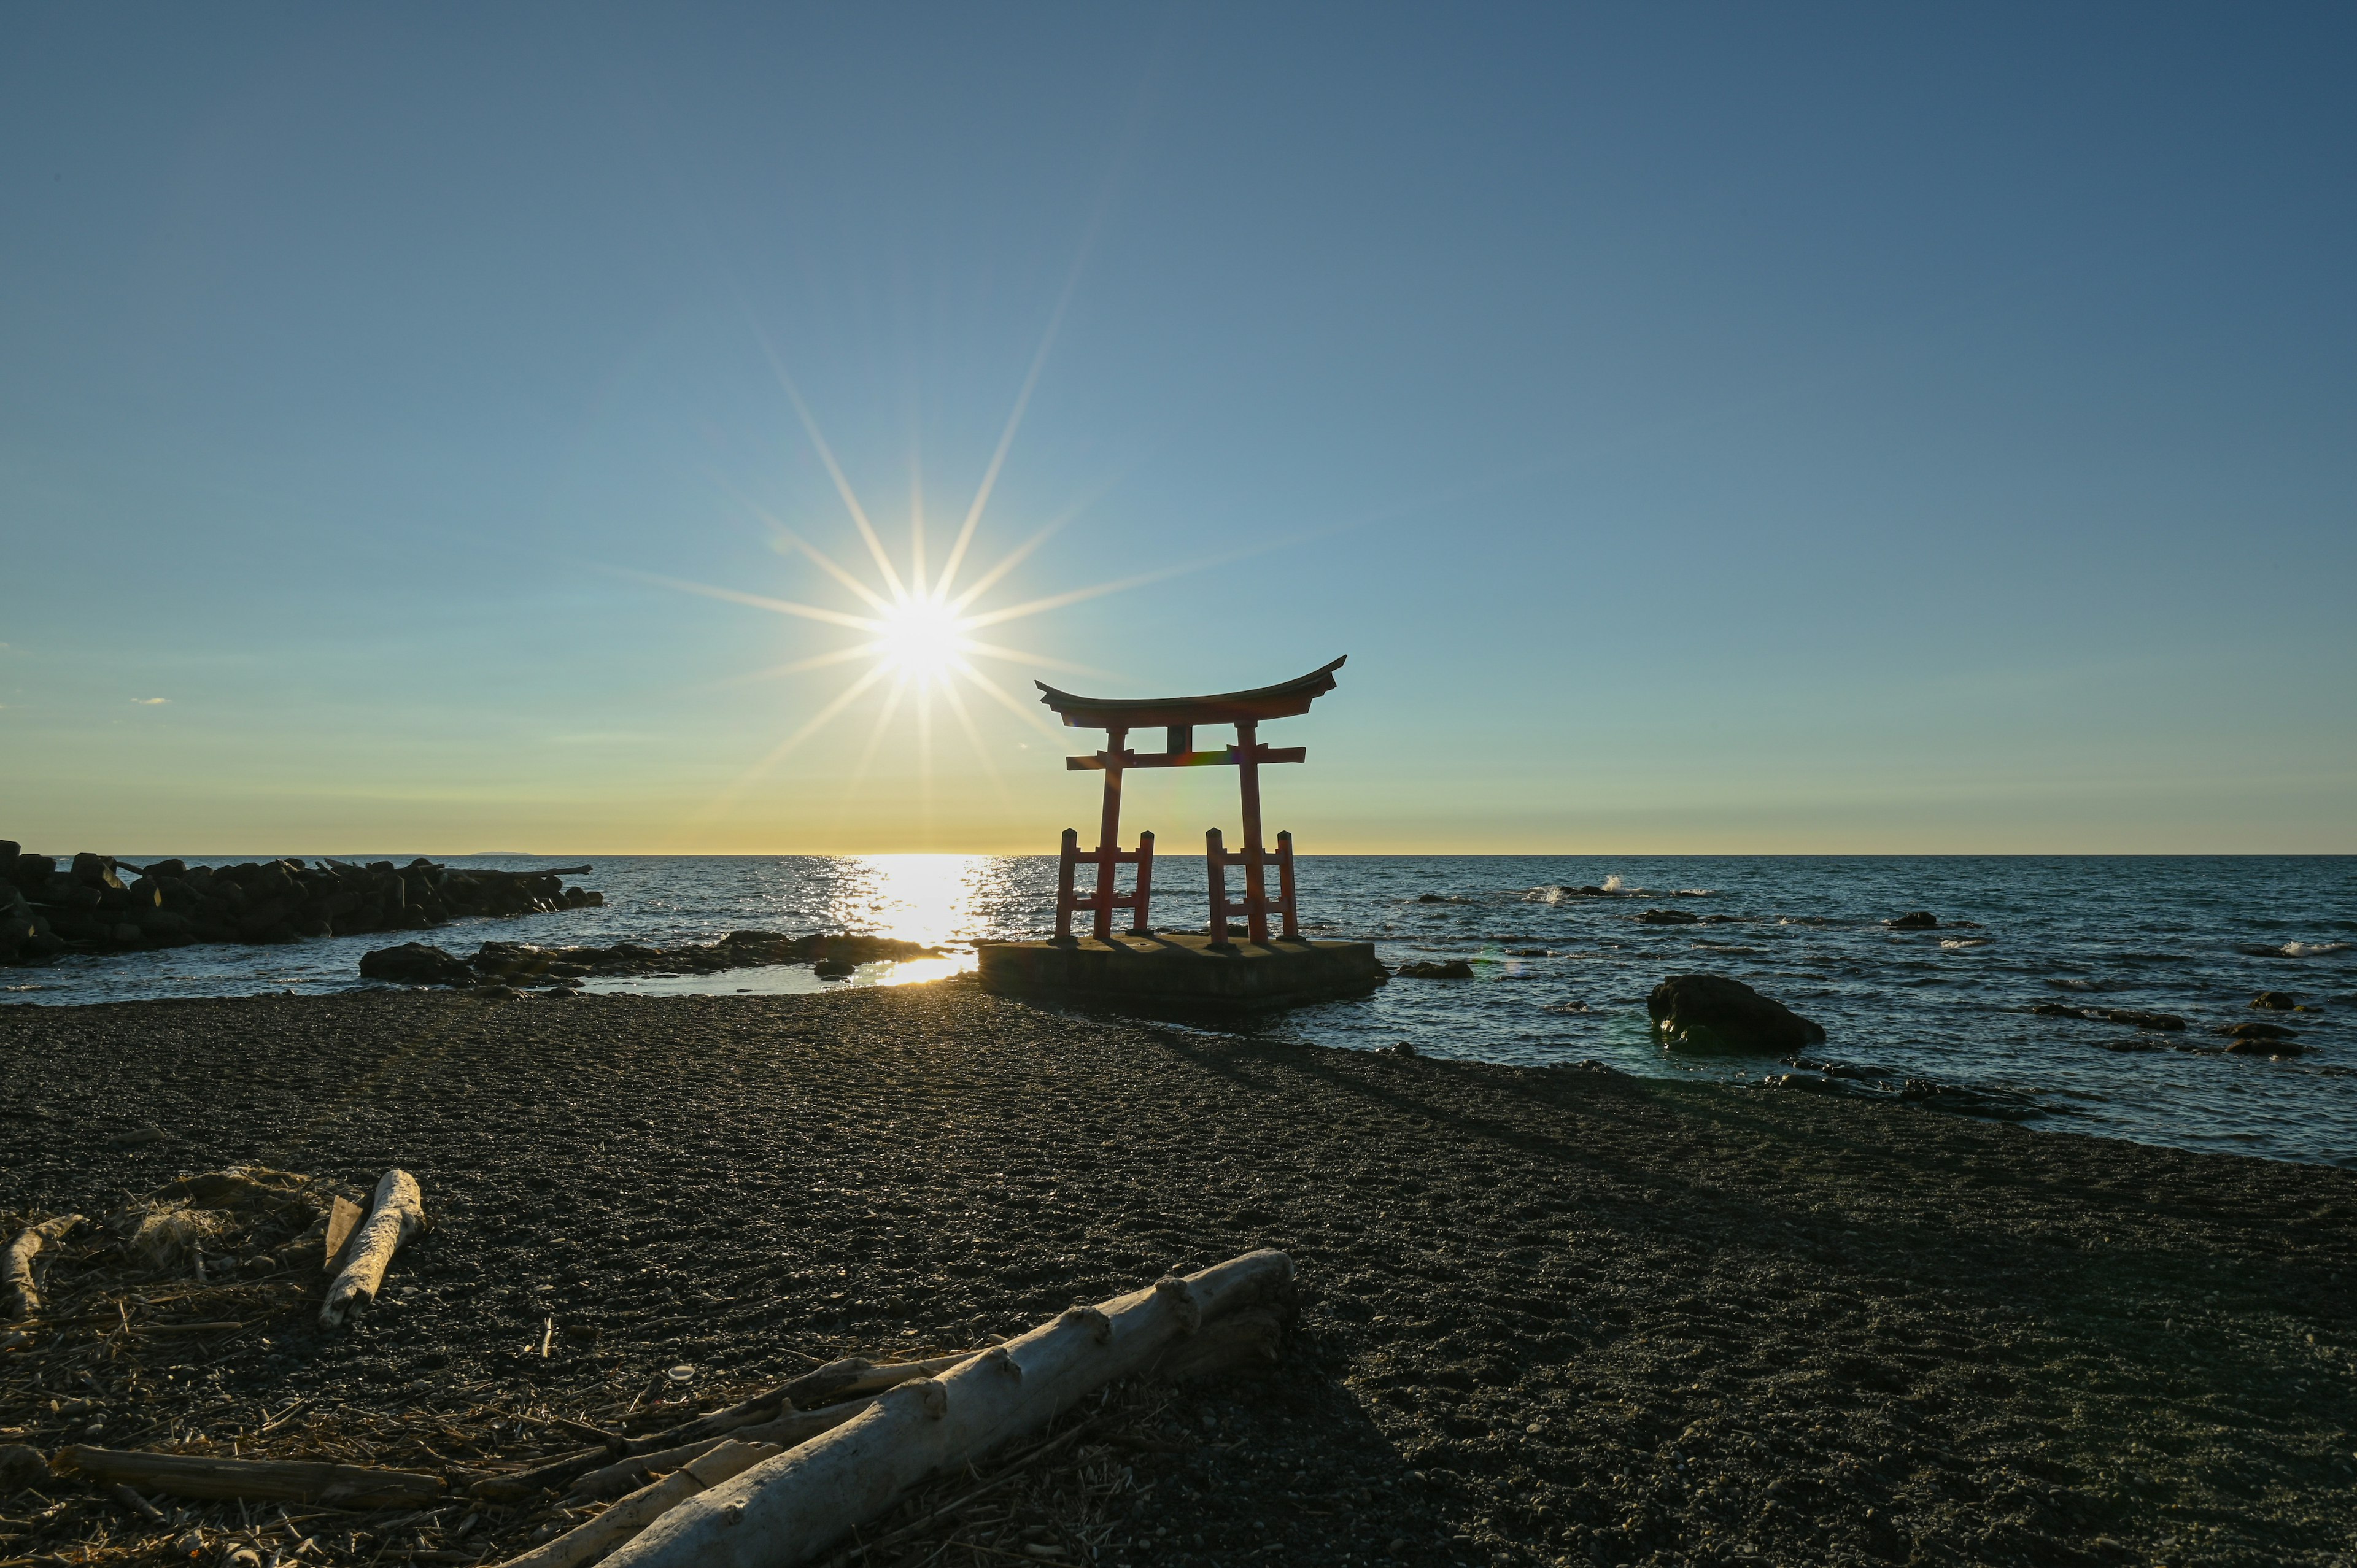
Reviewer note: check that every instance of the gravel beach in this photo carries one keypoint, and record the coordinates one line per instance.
(1548, 1315)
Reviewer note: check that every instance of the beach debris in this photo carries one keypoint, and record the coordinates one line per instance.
(789, 1510)
(398, 1212)
(274, 1480)
(2134, 1017)
(86, 906)
(16, 1264)
(1920, 920)
(1447, 968)
(1710, 1012)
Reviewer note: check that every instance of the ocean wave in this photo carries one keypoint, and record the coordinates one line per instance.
(2291, 950)
(1954, 943)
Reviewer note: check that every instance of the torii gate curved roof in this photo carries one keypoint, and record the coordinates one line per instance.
(1281, 701)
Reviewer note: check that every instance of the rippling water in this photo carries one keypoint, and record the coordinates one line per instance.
(1565, 977)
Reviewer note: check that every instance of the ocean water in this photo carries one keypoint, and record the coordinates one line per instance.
(1563, 976)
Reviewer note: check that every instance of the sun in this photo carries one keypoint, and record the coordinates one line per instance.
(921, 638)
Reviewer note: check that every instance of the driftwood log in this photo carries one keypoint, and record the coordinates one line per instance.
(272, 1480)
(587, 1543)
(788, 1511)
(785, 1432)
(17, 1263)
(850, 1378)
(396, 1214)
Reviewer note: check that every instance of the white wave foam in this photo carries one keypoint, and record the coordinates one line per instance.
(1613, 884)
(1952, 944)
(2311, 950)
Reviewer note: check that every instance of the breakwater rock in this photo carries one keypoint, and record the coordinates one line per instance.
(94, 903)
(834, 955)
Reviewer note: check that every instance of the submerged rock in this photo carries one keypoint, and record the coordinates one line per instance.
(2257, 1031)
(1920, 920)
(1668, 918)
(1453, 969)
(416, 964)
(2276, 1002)
(1711, 1012)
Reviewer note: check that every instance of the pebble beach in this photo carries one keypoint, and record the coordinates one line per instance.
(1549, 1314)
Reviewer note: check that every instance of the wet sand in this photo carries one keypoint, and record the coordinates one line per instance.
(1549, 1315)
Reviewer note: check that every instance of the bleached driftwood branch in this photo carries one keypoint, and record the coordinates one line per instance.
(587, 1543)
(787, 1510)
(397, 1213)
(16, 1264)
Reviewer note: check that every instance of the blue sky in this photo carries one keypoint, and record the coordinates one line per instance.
(1705, 429)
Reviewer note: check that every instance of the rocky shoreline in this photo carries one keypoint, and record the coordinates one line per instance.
(1549, 1315)
(49, 906)
(834, 955)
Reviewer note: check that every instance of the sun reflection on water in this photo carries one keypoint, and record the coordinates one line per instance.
(930, 898)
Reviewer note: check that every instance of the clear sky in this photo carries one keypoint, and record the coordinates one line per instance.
(1775, 428)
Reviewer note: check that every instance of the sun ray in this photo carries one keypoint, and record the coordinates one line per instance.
(1016, 556)
(973, 734)
(800, 666)
(827, 563)
(1041, 661)
(758, 601)
(917, 524)
(992, 689)
(778, 753)
(834, 469)
(875, 736)
(998, 457)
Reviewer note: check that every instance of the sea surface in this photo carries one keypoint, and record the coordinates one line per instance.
(1562, 976)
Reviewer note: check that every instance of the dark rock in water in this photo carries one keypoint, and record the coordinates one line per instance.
(2257, 1031)
(2276, 1002)
(416, 964)
(1454, 969)
(1402, 1048)
(2264, 1045)
(1920, 920)
(1668, 918)
(1434, 899)
(833, 969)
(1713, 1013)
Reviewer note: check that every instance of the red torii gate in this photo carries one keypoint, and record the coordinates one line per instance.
(1178, 717)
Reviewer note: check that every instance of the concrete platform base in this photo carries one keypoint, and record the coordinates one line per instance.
(1180, 969)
